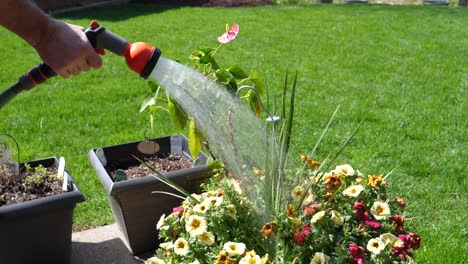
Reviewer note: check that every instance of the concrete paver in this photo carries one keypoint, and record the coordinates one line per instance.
(102, 245)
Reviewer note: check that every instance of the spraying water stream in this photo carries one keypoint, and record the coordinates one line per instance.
(236, 134)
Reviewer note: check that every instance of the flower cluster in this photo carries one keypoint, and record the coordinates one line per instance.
(344, 217)
(334, 217)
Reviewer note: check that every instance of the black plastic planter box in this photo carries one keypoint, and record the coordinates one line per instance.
(40, 230)
(135, 207)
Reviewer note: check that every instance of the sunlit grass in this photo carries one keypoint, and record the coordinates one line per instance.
(403, 68)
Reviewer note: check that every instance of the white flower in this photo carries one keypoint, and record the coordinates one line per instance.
(154, 260)
(320, 258)
(353, 190)
(201, 207)
(206, 238)
(195, 262)
(380, 210)
(196, 225)
(389, 238)
(336, 218)
(213, 201)
(181, 246)
(308, 199)
(345, 169)
(233, 248)
(250, 260)
(375, 245)
(161, 222)
(317, 217)
(166, 246)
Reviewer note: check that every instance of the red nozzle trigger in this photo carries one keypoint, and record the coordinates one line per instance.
(94, 25)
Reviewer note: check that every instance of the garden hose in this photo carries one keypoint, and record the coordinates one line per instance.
(139, 56)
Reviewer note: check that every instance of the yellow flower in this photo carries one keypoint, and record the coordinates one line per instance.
(297, 193)
(336, 218)
(249, 259)
(380, 210)
(304, 158)
(232, 211)
(317, 217)
(206, 238)
(258, 171)
(320, 258)
(266, 259)
(166, 246)
(223, 258)
(196, 225)
(375, 181)
(154, 260)
(345, 169)
(375, 245)
(390, 239)
(181, 246)
(312, 163)
(201, 207)
(162, 222)
(236, 185)
(234, 249)
(353, 190)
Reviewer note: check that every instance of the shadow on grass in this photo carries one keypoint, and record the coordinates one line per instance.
(117, 13)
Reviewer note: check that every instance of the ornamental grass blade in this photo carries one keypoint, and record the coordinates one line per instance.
(168, 181)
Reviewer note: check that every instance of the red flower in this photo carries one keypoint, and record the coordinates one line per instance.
(358, 253)
(363, 215)
(399, 222)
(230, 34)
(414, 240)
(301, 233)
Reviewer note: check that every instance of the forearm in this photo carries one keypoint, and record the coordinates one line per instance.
(25, 19)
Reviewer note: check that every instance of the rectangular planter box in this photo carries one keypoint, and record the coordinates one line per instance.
(39, 231)
(135, 207)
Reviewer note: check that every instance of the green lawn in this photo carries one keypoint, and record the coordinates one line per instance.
(402, 67)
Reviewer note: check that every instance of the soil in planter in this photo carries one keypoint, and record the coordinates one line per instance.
(160, 164)
(32, 183)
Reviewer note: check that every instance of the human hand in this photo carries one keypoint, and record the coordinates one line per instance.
(66, 49)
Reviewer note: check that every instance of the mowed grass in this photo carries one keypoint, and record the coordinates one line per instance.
(402, 68)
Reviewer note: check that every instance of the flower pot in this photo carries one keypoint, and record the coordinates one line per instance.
(40, 230)
(135, 207)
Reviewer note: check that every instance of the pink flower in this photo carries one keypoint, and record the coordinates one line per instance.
(176, 209)
(301, 233)
(363, 215)
(358, 253)
(229, 35)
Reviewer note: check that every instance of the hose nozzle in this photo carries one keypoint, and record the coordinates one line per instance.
(140, 57)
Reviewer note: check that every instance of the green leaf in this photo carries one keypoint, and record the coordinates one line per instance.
(237, 72)
(195, 139)
(254, 102)
(150, 100)
(178, 116)
(222, 75)
(258, 81)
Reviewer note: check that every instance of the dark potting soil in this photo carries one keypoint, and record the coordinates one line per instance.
(160, 164)
(16, 188)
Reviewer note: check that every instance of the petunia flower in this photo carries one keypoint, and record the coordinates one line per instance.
(268, 229)
(353, 190)
(318, 217)
(358, 253)
(344, 169)
(336, 218)
(223, 258)
(399, 222)
(375, 181)
(375, 245)
(320, 258)
(181, 246)
(251, 258)
(380, 210)
(206, 238)
(234, 249)
(154, 260)
(196, 225)
(230, 34)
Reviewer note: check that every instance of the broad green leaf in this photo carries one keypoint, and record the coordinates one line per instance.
(258, 81)
(195, 139)
(237, 72)
(178, 115)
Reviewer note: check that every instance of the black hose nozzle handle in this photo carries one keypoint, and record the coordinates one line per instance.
(33, 77)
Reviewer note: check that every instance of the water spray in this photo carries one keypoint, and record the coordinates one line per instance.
(139, 56)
